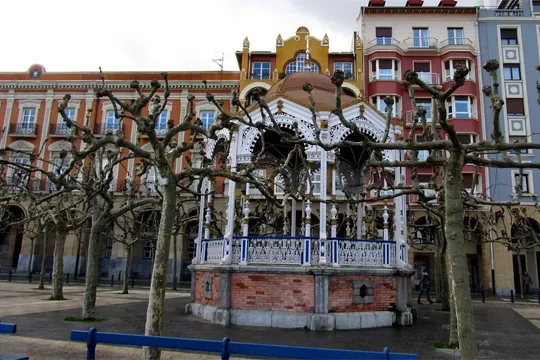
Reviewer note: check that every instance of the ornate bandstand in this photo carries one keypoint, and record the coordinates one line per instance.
(306, 275)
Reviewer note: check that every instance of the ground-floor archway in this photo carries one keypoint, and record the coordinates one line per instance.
(11, 237)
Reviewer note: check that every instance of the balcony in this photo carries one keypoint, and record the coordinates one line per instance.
(421, 43)
(456, 41)
(381, 43)
(409, 116)
(494, 12)
(160, 129)
(430, 78)
(506, 12)
(59, 130)
(261, 76)
(105, 129)
(23, 129)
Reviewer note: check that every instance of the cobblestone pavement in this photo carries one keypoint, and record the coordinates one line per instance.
(502, 333)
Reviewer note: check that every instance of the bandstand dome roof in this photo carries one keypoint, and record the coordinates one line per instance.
(323, 92)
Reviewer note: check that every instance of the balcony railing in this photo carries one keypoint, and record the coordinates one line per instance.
(289, 250)
(456, 41)
(409, 116)
(383, 41)
(430, 78)
(506, 12)
(421, 43)
(102, 129)
(23, 129)
(59, 130)
(261, 76)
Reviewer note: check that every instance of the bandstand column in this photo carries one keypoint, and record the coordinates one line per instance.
(245, 233)
(198, 241)
(293, 217)
(348, 221)
(229, 228)
(386, 244)
(307, 241)
(322, 204)
(333, 235)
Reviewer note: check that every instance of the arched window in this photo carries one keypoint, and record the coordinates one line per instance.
(299, 65)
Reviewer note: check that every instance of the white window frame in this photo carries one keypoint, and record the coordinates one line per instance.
(525, 140)
(279, 185)
(473, 138)
(315, 177)
(528, 177)
(261, 74)
(422, 154)
(477, 189)
(396, 108)
(18, 158)
(335, 183)
(148, 249)
(429, 111)
(340, 65)
(449, 73)
(299, 65)
(257, 174)
(454, 39)
(28, 105)
(377, 74)
(451, 107)
(421, 41)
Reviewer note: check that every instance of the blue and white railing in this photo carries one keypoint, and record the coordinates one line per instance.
(289, 250)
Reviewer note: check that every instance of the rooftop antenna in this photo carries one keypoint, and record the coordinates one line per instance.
(220, 61)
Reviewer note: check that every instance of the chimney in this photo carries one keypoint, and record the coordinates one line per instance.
(447, 3)
(376, 3)
(414, 3)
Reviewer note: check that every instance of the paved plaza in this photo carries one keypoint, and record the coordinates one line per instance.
(504, 331)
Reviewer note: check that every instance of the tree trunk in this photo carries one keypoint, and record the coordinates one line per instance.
(453, 340)
(439, 266)
(154, 314)
(58, 267)
(175, 263)
(92, 269)
(445, 277)
(127, 268)
(455, 241)
(520, 272)
(44, 252)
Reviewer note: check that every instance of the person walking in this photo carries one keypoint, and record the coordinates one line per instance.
(425, 285)
(527, 282)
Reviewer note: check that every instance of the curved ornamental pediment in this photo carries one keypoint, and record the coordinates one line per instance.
(59, 146)
(287, 114)
(22, 146)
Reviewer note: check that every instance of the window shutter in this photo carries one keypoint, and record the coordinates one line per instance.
(374, 65)
(515, 106)
(383, 32)
(508, 34)
(422, 67)
(467, 181)
(385, 64)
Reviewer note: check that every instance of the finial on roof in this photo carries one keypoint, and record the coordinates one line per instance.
(325, 40)
(279, 40)
(246, 43)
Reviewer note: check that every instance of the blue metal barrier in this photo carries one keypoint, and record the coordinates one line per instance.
(6, 328)
(10, 329)
(227, 348)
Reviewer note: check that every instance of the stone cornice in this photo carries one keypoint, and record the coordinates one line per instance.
(84, 85)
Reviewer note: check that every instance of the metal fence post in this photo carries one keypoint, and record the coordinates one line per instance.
(483, 292)
(112, 280)
(225, 349)
(30, 278)
(50, 277)
(512, 296)
(10, 274)
(132, 280)
(67, 278)
(91, 344)
(119, 276)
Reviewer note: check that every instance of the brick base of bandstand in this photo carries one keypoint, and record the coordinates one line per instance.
(313, 297)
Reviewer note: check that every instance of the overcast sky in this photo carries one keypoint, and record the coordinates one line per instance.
(172, 35)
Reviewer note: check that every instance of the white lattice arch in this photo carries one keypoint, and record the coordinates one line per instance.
(223, 134)
(286, 122)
